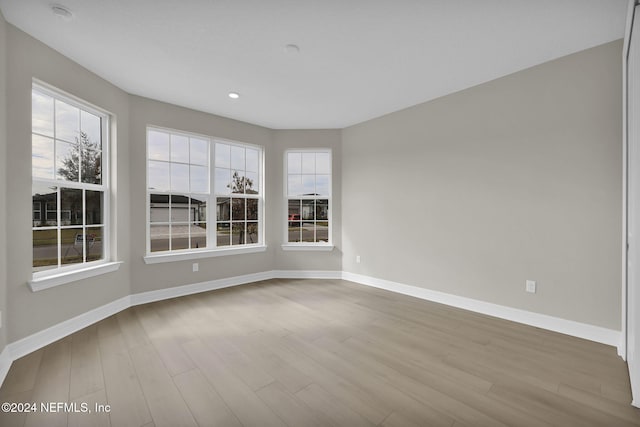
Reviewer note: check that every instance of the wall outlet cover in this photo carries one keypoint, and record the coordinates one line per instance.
(531, 286)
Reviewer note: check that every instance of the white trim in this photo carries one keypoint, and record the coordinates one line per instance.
(207, 253)
(5, 363)
(629, 308)
(42, 338)
(329, 198)
(556, 324)
(195, 288)
(45, 282)
(45, 337)
(306, 274)
(316, 247)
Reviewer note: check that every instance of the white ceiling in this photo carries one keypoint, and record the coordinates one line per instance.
(358, 59)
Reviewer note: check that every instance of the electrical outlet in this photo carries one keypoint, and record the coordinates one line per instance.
(530, 286)
(196, 267)
(357, 259)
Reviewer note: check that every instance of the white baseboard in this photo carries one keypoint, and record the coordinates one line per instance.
(556, 324)
(42, 338)
(36, 341)
(306, 274)
(5, 363)
(45, 337)
(179, 291)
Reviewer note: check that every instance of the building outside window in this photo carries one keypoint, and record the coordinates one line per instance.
(187, 175)
(69, 143)
(308, 197)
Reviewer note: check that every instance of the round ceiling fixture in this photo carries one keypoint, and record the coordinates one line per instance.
(292, 48)
(61, 11)
(234, 95)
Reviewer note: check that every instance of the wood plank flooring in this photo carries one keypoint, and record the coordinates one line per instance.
(318, 353)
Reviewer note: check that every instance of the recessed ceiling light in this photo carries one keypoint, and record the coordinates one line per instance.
(292, 48)
(61, 11)
(234, 95)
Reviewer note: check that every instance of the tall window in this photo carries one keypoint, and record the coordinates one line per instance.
(182, 171)
(308, 196)
(69, 181)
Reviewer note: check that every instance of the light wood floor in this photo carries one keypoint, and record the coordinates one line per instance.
(319, 353)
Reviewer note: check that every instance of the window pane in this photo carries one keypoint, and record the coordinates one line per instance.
(223, 181)
(41, 114)
(70, 206)
(294, 231)
(294, 163)
(67, 122)
(238, 234)
(223, 156)
(158, 145)
(237, 209)
(72, 246)
(179, 149)
(159, 238)
(179, 177)
(199, 179)
(294, 210)
(252, 184)
(308, 185)
(159, 207)
(253, 162)
(198, 210)
(252, 209)
(252, 232)
(199, 151)
(42, 164)
(322, 232)
(179, 236)
(159, 176)
(91, 166)
(94, 207)
(237, 158)
(308, 210)
(223, 234)
(198, 235)
(45, 249)
(323, 165)
(308, 163)
(90, 130)
(308, 232)
(322, 185)
(238, 182)
(294, 185)
(179, 209)
(322, 209)
(93, 243)
(223, 209)
(67, 160)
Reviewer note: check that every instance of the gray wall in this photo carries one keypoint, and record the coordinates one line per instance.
(27, 59)
(471, 194)
(515, 179)
(306, 260)
(29, 312)
(157, 276)
(3, 181)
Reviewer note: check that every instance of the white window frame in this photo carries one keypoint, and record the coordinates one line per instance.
(211, 250)
(73, 272)
(306, 246)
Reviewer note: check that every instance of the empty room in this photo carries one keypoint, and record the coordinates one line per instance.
(319, 213)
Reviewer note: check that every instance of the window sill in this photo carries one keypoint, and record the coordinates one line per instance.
(49, 281)
(183, 256)
(303, 247)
